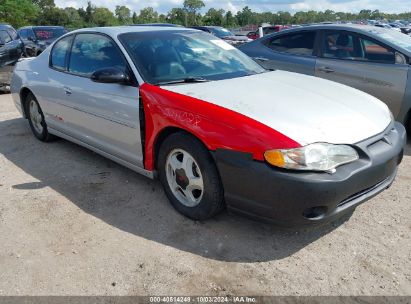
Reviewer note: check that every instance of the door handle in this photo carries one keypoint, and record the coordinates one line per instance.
(261, 58)
(67, 91)
(326, 70)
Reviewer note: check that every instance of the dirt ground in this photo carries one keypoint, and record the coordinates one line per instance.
(74, 223)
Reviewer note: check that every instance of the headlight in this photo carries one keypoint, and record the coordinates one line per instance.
(314, 157)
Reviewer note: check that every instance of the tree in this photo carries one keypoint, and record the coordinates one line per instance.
(44, 4)
(148, 15)
(134, 18)
(17, 12)
(74, 18)
(283, 17)
(102, 16)
(89, 12)
(214, 17)
(244, 16)
(230, 20)
(52, 16)
(162, 18)
(123, 14)
(177, 16)
(192, 7)
(365, 14)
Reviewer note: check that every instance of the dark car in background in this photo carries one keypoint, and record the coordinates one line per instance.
(224, 34)
(372, 59)
(11, 49)
(37, 38)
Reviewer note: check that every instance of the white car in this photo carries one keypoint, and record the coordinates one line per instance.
(214, 126)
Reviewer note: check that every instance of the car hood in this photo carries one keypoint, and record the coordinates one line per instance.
(304, 108)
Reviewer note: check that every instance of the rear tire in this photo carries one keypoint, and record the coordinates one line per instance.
(36, 119)
(190, 177)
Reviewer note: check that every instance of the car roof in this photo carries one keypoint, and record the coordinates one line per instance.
(117, 30)
(157, 24)
(211, 26)
(41, 26)
(368, 30)
(4, 25)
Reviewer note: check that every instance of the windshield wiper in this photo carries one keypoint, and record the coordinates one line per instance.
(184, 80)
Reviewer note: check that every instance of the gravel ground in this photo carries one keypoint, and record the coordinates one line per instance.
(74, 223)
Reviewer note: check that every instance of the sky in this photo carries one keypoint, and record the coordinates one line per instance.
(163, 6)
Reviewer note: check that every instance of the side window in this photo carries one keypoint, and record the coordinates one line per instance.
(375, 52)
(13, 34)
(59, 53)
(298, 44)
(340, 45)
(92, 52)
(23, 34)
(30, 33)
(4, 37)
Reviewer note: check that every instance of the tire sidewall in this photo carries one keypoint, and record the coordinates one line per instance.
(41, 136)
(212, 193)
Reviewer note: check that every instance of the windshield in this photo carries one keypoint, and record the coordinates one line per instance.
(48, 33)
(167, 56)
(221, 32)
(396, 38)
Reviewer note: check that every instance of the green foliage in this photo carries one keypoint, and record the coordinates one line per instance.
(17, 12)
(177, 16)
(74, 19)
(102, 16)
(192, 7)
(147, 15)
(45, 12)
(214, 17)
(123, 14)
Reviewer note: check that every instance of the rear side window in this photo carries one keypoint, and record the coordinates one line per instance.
(298, 44)
(30, 34)
(58, 57)
(92, 52)
(4, 37)
(23, 34)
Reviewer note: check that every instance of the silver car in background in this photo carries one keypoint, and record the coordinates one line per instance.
(374, 60)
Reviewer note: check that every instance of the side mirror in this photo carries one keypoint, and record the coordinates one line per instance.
(110, 75)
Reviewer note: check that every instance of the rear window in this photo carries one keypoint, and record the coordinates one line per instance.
(48, 33)
(298, 43)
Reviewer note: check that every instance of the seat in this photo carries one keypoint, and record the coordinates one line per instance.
(167, 63)
(342, 46)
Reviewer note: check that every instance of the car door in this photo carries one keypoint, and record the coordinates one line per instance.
(103, 115)
(292, 52)
(365, 64)
(23, 36)
(31, 43)
(16, 46)
(5, 60)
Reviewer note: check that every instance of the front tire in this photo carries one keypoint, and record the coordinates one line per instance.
(36, 119)
(190, 177)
